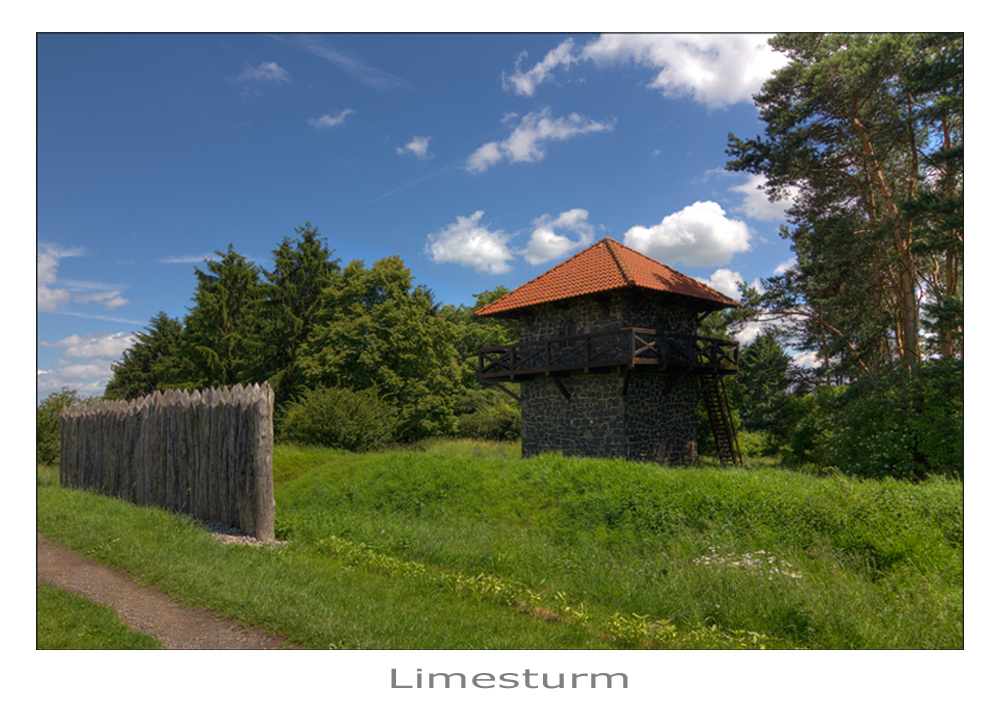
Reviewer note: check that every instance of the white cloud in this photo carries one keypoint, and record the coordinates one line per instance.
(467, 243)
(83, 372)
(52, 298)
(49, 298)
(546, 244)
(524, 83)
(756, 203)
(700, 235)
(326, 121)
(267, 72)
(726, 281)
(417, 146)
(484, 157)
(750, 332)
(785, 266)
(809, 359)
(111, 299)
(49, 382)
(188, 259)
(85, 365)
(768, 321)
(95, 345)
(527, 140)
(714, 70)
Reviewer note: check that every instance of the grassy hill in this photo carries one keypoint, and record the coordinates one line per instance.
(458, 544)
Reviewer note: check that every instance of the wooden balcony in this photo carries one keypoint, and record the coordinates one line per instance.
(600, 352)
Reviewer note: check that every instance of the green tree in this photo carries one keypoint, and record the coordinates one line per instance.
(762, 382)
(373, 328)
(806, 433)
(906, 424)
(937, 210)
(474, 333)
(155, 361)
(222, 330)
(484, 412)
(303, 268)
(48, 424)
(855, 127)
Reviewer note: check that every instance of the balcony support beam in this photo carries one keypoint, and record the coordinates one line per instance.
(561, 387)
(507, 391)
(625, 382)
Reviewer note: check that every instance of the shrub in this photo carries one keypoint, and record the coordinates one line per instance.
(48, 425)
(756, 443)
(809, 436)
(497, 421)
(905, 424)
(358, 421)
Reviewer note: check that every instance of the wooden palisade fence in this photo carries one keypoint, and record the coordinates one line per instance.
(206, 454)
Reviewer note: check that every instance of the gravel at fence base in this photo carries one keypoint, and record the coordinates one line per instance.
(232, 535)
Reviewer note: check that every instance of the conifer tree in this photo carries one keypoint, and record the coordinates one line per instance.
(862, 130)
(303, 268)
(222, 330)
(762, 382)
(156, 361)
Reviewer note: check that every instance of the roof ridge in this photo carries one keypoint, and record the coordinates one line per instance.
(629, 279)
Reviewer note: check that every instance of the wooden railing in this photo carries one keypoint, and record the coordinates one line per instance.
(642, 349)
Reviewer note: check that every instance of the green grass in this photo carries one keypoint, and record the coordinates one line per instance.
(404, 548)
(299, 591)
(66, 621)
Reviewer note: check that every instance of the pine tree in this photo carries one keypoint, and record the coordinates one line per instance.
(762, 382)
(937, 210)
(154, 362)
(303, 268)
(854, 125)
(222, 330)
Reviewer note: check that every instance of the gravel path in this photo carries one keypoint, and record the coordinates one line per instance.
(146, 609)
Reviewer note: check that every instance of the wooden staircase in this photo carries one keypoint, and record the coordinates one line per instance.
(721, 418)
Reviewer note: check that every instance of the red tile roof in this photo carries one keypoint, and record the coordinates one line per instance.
(604, 266)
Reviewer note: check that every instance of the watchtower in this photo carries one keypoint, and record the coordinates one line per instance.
(610, 362)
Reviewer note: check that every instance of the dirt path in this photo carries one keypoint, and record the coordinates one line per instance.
(145, 609)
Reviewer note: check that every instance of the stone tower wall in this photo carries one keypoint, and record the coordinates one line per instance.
(598, 422)
(647, 424)
(592, 423)
(662, 427)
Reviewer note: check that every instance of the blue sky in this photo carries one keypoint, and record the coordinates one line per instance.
(480, 159)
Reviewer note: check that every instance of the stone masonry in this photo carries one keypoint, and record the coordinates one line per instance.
(656, 419)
